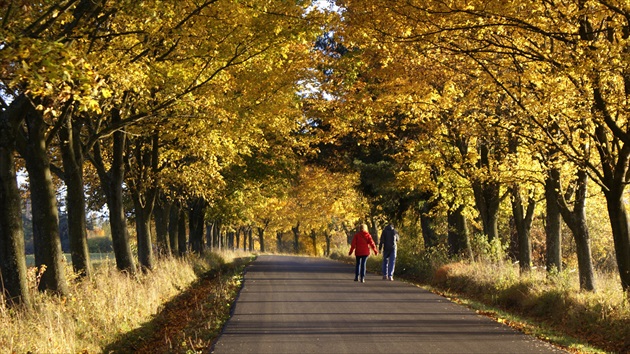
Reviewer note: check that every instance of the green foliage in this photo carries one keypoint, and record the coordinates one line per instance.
(551, 303)
(203, 264)
(421, 264)
(101, 244)
(513, 296)
(488, 251)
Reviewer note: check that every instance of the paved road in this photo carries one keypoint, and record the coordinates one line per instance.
(310, 305)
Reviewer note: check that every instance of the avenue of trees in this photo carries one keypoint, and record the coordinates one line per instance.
(172, 111)
(257, 124)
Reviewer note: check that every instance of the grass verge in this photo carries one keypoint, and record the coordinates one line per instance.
(550, 306)
(107, 310)
(191, 321)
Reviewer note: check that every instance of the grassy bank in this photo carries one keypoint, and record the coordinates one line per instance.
(549, 306)
(102, 310)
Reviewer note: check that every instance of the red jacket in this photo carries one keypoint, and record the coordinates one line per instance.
(362, 242)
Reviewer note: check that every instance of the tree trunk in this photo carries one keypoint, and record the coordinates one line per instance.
(143, 187)
(75, 197)
(487, 201)
(614, 155)
(585, 263)
(261, 238)
(217, 234)
(117, 218)
(143, 231)
(576, 221)
(213, 235)
(46, 236)
(244, 231)
(458, 234)
(523, 220)
(553, 226)
(196, 220)
(427, 222)
(12, 257)
(209, 233)
(279, 247)
(112, 184)
(182, 246)
(619, 222)
(161, 216)
(314, 241)
(250, 234)
(487, 193)
(173, 228)
(230, 239)
(296, 238)
(328, 240)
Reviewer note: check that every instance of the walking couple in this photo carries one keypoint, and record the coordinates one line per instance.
(362, 242)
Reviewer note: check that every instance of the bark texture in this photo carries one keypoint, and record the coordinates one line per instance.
(12, 257)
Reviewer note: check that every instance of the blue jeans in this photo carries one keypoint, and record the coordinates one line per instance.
(389, 262)
(360, 267)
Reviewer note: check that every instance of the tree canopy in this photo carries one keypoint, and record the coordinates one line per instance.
(291, 116)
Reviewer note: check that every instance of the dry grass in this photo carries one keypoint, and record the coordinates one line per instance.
(99, 310)
(600, 319)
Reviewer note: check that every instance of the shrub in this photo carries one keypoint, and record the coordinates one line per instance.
(338, 254)
(551, 304)
(421, 264)
(101, 244)
(488, 251)
(514, 296)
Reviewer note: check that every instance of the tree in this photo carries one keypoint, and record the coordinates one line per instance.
(142, 164)
(39, 68)
(528, 60)
(72, 175)
(12, 257)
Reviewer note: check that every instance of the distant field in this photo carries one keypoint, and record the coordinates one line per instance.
(96, 258)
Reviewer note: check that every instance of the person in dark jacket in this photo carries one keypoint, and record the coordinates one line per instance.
(361, 243)
(388, 246)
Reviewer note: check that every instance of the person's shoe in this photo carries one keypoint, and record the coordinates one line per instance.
(385, 277)
(362, 280)
(391, 278)
(356, 279)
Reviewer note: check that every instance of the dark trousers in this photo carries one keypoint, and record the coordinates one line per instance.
(360, 267)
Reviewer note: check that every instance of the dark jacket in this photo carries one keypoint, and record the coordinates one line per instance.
(389, 240)
(362, 242)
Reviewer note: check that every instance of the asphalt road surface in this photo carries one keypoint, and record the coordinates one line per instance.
(312, 305)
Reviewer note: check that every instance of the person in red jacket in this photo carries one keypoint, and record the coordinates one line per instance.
(361, 243)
